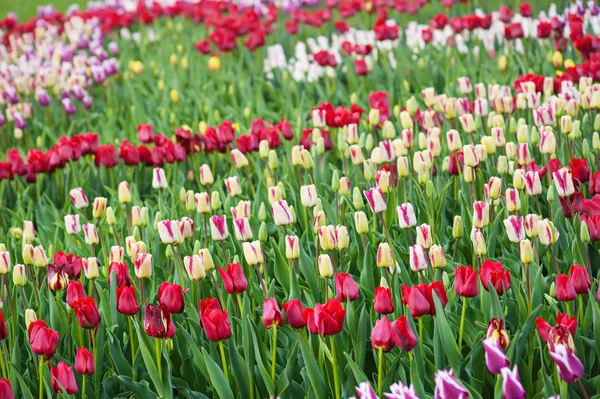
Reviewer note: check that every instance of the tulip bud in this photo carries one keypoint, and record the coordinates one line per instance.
(384, 256)
(344, 185)
(124, 192)
(27, 253)
(262, 232)
(327, 237)
(406, 215)
(373, 119)
(263, 149)
(325, 266)
(19, 276)
(343, 238)
(91, 236)
(206, 176)
(526, 252)
(159, 179)
(253, 252)
(457, 227)
(4, 262)
(292, 247)
(357, 199)
(468, 174)
(90, 268)
(72, 225)
(215, 200)
(273, 160)
(417, 258)
(30, 317)
(361, 223)
(402, 166)
(519, 179)
(307, 160)
(478, 241)
(78, 198)
(548, 234)
(388, 130)
(99, 207)
(437, 257)
(309, 196)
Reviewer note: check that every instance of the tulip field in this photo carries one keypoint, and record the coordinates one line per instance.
(300, 199)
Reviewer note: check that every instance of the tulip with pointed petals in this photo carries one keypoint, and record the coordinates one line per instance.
(495, 359)
(580, 279)
(329, 318)
(218, 228)
(63, 379)
(84, 361)
(465, 281)
(376, 199)
(215, 322)
(294, 313)
(382, 302)
(43, 340)
(157, 322)
(346, 288)
(492, 274)
(564, 288)
(403, 335)
(127, 302)
(171, 297)
(87, 313)
(381, 335)
(233, 277)
(272, 316)
(569, 366)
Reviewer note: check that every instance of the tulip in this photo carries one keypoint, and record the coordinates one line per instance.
(495, 359)
(416, 299)
(343, 237)
(78, 198)
(206, 260)
(84, 361)
(206, 176)
(513, 201)
(242, 210)
(136, 216)
(28, 231)
(470, 156)
(492, 188)
(294, 312)
(437, 257)
(325, 266)
(563, 182)
(120, 272)
(157, 322)
(72, 225)
(515, 228)
(308, 195)
(526, 252)
(99, 207)
(384, 256)
(329, 318)
(27, 254)
(327, 237)
(202, 201)
(346, 288)
(381, 335)
(497, 332)
(564, 288)
(272, 316)
(19, 276)
(159, 179)
(424, 236)
(580, 279)
(124, 192)
(5, 389)
(215, 322)
(57, 277)
(90, 267)
(418, 259)
(110, 216)
(383, 181)
(361, 223)
(233, 278)
(533, 185)
(74, 292)
(382, 302)
(143, 265)
(511, 384)
(193, 266)
(43, 340)
(3, 329)
(481, 214)
(4, 262)
(492, 274)
(531, 225)
(87, 312)
(127, 302)
(238, 158)
(253, 252)
(281, 212)
(292, 247)
(403, 335)
(569, 366)
(233, 186)
(242, 229)
(218, 228)
(171, 297)
(447, 386)
(548, 234)
(63, 379)
(274, 194)
(90, 234)
(375, 199)
(406, 215)
(465, 281)
(116, 254)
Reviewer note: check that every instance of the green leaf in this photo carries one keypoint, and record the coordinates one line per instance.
(217, 377)
(149, 362)
(314, 375)
(447, 337)
(141, 389)
(239, 368)
(281, 267)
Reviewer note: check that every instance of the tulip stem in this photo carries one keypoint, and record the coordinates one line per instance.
(585, 395)
(41, 394)
(4, 375)
(580, 307)
(214, 280)
(223, 360)
(158, 345)
(554, 260)
(336, 378)
(262, 281)
(83, 385)
(132, 349)
(462, 322)
(274, 354)
(380, 373)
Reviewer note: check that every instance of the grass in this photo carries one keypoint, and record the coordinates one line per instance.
(26, 9)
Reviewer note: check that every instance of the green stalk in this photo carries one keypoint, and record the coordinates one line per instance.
(158, 346)
(132, 348)
(462, 322)
(4, 375)
(336, 378)
(274, 354)
(380, 373)
(83, 386)
(41, 377)
(223, 360)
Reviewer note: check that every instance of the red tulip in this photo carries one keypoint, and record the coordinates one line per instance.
(215, 322)
(595, 183)
(294, 313)
(272, 316)
(3, 329)
(360, 67)
(145, 132)
(129, 153)
(497, 331)
(381, 335)
(403, 335)
(415, 298)
(465, 281)
(580, 279)
(346, 288)
(57, 278)
(5, 389)
(525, 9)
(544, 29)
(87, 312)
(106, 156)
(127, 302)
(562, 332)
(309, 317)
(492, 273)
(329, 318)
(580, 169)
(157, 322)
(121, 272)
(233, 277)
(74, 292)
(382, 302)
(171, 295)
(63, 377)
(564, 289)
(43, 340)
(69, 264)
(84, 361)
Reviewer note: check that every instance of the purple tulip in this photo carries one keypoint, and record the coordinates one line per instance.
(78, 92)
(2, 120)
(87, 101)
(448, 387)
(594, 9)
(68, 106)
(400, 391)
(43, 97)
(113, 48)
(569, 366)
(511, 384)
(365, 391)
(495, 359)
(19, 120)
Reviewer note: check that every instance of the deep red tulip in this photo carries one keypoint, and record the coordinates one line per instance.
(360, 67)
(129, 154)
(544, 29)
(381, 335)
(294, 313)
(493, 274)
(497, 331)
(437, 288)
(580, 169)
(215, 322)
(595, 183)
(272, 316)
(579, 279)
(465, 281)
(87, 312)
(233, 277)
(570, 323)
(203, 46)
(157, 322)
(346, 288)
(382, 302)
(74, 292)
(564, 288)
(69, 264)
(525, 9)
(415, 298)
(3, 329)
(63, 377)
(84, 361)
(309, 317)
(43, 340)
(145, 132)
(562, 320)
(403, 335)
(127, 302)
(5, 389)
(121, 272)
(106, 156)
(171, 295)
(329, 318)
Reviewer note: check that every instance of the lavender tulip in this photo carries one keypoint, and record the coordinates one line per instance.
(511, 384)
(569, 366)
(495, 359)
(448, 387)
